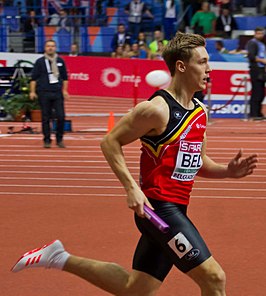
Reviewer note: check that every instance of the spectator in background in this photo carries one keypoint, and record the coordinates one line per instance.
(119, 52)
(141, 40)
(76, 21)
(158, 36)
(219, 45)
(30, 24)
(65, 21)
(135, 10)
(158, 54)
(203, 21)
(100, 13)
(74, 50)
(190, 8)
(127, 50)
(144, 52)
(134, 53)
(121, 37)
(225, 23)
(257, 62)
(137, 52)
(171, 10)
(263, 7)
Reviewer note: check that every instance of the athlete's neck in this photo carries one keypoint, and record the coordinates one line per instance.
(181, 96)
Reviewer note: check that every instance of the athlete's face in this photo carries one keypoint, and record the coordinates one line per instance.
(197, 70)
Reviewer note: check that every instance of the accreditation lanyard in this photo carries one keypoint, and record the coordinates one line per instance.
(52, 78)
(226, 23)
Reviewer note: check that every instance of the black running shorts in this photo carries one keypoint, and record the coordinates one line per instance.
(182, 246)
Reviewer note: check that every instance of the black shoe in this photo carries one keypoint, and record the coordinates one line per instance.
(61, 144)
(47, 145)
(259, 118)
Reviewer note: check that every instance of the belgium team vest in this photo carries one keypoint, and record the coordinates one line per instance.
(170, 161)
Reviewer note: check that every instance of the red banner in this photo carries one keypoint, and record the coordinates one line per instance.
(125, 78)
(226, 82)
(109, 77)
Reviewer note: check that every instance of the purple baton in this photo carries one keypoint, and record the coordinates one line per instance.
(155, 220)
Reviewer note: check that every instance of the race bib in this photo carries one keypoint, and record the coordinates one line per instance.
(188, 161)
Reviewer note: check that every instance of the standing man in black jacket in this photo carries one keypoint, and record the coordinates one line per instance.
(49, 84)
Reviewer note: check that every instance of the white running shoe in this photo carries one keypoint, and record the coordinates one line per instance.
(46, 256)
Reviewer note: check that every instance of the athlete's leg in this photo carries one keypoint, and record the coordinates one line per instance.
(187, 249)
(210, 277)
(112, 278)
(108, 276)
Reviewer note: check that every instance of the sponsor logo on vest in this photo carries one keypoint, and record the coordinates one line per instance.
(177, 115)
(198, 125)
(183, 136)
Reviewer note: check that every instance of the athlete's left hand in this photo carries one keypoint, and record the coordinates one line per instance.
(238, 168)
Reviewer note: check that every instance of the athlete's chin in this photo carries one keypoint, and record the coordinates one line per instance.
(201, 87)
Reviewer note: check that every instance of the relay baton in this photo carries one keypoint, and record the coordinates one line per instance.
(155, 220)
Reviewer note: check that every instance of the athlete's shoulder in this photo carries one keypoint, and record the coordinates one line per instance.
(150, 113)
(156, 106)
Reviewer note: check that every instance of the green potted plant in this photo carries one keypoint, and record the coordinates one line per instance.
(19, 104)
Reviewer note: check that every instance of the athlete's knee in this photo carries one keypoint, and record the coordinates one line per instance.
(209, 276)
(216, 278)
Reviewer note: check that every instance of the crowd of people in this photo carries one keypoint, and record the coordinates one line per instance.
(209, 19)
(124, 46)
(212, 18)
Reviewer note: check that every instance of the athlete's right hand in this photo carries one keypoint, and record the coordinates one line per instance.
(33, 95)
(136, 200)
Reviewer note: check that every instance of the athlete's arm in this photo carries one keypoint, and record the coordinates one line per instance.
(147, 117)
(238, 167)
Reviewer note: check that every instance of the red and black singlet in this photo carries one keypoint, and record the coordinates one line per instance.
(170, 161)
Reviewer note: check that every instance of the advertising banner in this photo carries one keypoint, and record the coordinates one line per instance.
(109, 77)
(125, 79)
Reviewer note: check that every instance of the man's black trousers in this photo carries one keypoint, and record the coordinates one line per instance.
(257, 93)
(52, 107)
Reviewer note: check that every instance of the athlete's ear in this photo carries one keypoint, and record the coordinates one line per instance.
(180, 66)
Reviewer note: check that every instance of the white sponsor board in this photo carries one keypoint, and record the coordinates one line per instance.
(9, 59)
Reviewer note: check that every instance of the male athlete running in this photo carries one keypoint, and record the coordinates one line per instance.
(171, 126)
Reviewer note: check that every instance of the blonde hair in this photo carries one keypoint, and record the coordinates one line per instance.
(180, 48)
